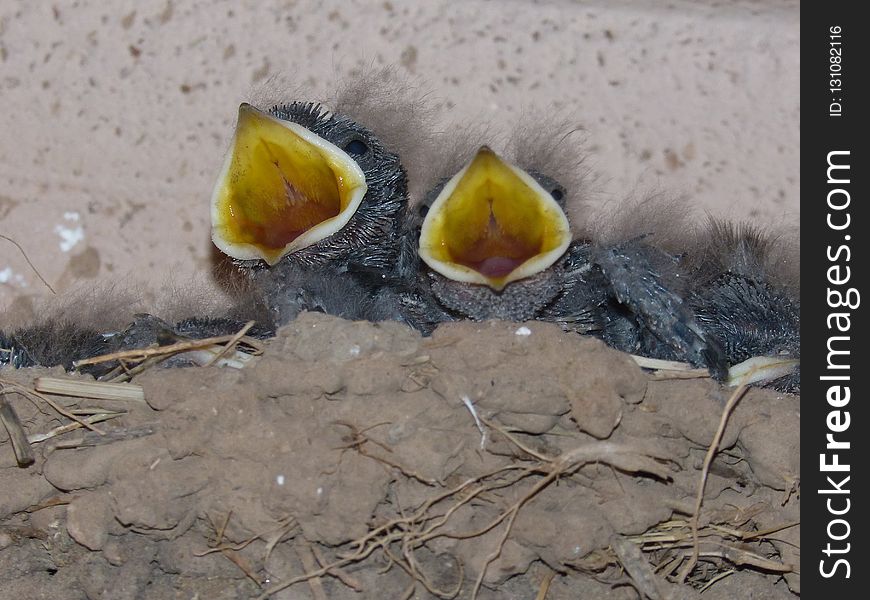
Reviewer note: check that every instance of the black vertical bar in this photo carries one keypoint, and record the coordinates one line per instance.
(835, 57)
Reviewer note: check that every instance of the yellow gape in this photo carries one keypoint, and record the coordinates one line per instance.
(493, 224)
(282, 188)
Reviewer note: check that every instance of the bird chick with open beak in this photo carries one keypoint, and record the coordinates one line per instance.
(495, 243)
(309, 204)
(490, 236)
(487, 236)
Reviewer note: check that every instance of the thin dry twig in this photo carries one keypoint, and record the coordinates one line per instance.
(721, 542)
(169, 350)
(98, 390)
(231, 343)
(36, 438)
(718, 577)
(642, 575)
(669, 369)
(408, 563)
(622, 457)
(708, 460)
(545, 586)
(309, 563)
(381, 537)
(110, 437)
(30, 264)
(516, 441)
(658, 364)
(346, 579)
(358, 441)
(230, 551)
(275, 537)
(51, 502)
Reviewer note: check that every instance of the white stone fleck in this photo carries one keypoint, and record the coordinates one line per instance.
(523, 331)
(279, 480)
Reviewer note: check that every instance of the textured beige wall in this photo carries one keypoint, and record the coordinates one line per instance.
(116, 114)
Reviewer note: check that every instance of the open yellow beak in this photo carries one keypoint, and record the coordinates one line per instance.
(282, 188)
(493, 224)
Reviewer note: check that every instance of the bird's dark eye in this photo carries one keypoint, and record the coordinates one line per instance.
(423, 210)
(557, 194)
(356, 148)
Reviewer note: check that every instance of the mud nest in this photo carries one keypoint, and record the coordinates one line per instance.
(359, 460)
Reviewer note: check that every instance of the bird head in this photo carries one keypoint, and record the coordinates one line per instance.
(305, 186)
(491, 236)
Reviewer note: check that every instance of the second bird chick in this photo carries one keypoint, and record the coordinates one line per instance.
(495, 243)
(745, 289)
(491, 236)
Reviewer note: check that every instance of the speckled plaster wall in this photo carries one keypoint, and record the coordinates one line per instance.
(116, 115)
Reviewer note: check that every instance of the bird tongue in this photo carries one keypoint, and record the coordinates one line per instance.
(496, 266)
(497, 253)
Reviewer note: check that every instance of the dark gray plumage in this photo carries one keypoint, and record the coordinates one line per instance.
(743, 293)
(50, 343)
(664, 324)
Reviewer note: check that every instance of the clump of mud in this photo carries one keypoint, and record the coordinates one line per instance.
(359, 460)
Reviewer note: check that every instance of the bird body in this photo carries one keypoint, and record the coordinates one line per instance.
(50, 343)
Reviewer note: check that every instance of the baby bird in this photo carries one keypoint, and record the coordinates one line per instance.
(309, 204)
(490, 236)
(495, 243)
(308, 198)
(312, 207)
(745, 290)
(50, 343)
